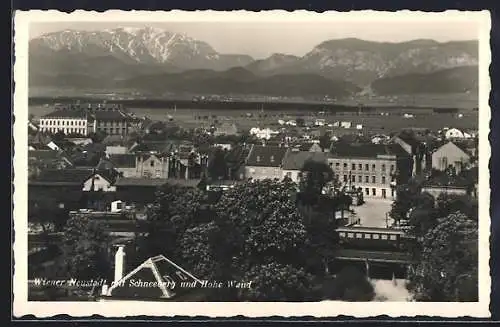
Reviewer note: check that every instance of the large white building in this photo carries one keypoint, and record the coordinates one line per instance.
(68, 122)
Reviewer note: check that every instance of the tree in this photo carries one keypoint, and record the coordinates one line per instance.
(173, 212)
(85, 249)
(447, 269)
(350, 284)
(277, 282)
(324, 141)
(423, 215)
(315, 175)
(300, 122)
(449, 203)
(405, 200)
(217, 166)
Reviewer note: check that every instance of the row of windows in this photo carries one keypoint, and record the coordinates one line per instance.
(114, 130)
(368, 236)
(360, 166)
(366, 179)
(111, 123)
(62, 122)
(64, 130)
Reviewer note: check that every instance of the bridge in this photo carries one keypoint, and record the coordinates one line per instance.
(374, 249)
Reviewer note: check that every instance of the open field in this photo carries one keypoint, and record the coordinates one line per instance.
(373, 123)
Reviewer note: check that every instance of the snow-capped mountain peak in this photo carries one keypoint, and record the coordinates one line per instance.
(140, 44)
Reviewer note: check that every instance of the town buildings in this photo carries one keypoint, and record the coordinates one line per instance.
(450, 154)
(265, 162)
(375, 168)
(83, 120)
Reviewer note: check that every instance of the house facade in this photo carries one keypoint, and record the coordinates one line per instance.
(450, 154)
(153, 165)
(67, 122)
(265, 162)
(376, 169)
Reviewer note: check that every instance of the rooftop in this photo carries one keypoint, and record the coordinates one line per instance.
(75, 114)
(295, 160)
(114, 115)
(366, 150)
(123, 160)
(155, 182)
(266, 156)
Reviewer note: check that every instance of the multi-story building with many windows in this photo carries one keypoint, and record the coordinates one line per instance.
(375, 168)
(110, 119)
(66, 121)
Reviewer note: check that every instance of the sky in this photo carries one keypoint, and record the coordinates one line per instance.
(261, 39)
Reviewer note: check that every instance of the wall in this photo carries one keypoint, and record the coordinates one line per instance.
(116, 149)
(263, 172)
(152, 167)
(452, 154)
(293, 174)
(100, 183)
(66, 125)
(129, 172)
(436, 191)
(377, 177)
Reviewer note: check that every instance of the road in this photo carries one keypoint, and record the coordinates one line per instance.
(373, 212)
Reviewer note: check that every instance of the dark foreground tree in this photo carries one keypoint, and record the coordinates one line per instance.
(447, 270)
(85, 249)
(350, 284)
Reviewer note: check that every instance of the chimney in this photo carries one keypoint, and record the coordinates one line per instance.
(119, 263)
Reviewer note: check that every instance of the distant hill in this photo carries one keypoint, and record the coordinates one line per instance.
(241, 81)
(453, 80)
(114, 57)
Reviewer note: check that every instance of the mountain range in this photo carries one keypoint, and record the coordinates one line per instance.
(156, 60)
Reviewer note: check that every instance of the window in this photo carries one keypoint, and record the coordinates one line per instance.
(367, 191)
(353, 166)
(337, 165)
(374, 179)
(342, 234)
(373, 167)
(367, 179)
(375, 236)
(350, 235)
(345, 165)
(158, 173)
(331, 164)
(367, 167)
(360, 179)
(392, 168)
(384, 236)
(272, 158)
(392, 237)
(374, 191)
(367, 236)
(258, 158)
(353, 178)
(360, 166)
(345, 178)
(152, 163)
(359, 235)
(383, 167)
(383, 179)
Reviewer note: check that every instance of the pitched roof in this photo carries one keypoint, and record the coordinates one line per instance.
(155, 182)
(72, 176)
(44, 154)
(113, 140)
(113, 115)
(66, 114)
(160, 272)
(368, 150)
(154, 146)
(266, 156)
(126, 160)
(408, 139)
(294, 160)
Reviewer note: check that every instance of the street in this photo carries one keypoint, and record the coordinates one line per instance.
(373, 212)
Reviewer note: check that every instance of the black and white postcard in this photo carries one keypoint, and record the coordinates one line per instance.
(251, 163)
